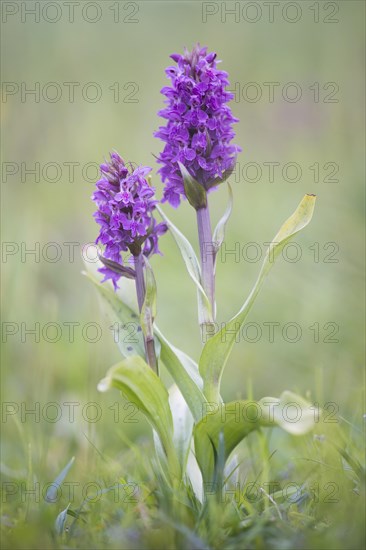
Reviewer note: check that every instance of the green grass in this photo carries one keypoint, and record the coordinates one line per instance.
(287, 492)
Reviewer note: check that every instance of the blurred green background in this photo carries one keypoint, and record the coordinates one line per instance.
(303, 132)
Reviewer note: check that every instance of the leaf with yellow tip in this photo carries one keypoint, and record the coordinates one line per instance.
(217, 350)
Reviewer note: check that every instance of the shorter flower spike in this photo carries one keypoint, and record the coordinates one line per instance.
(125, 202)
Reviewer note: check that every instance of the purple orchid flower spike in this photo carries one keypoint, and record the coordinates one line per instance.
(126, 203)
(199, 130)
(198, 153)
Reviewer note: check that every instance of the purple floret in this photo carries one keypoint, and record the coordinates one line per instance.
(125, 202)
(199, 130)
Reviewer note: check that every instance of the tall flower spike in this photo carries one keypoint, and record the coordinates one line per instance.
(125, 202)
(199, 130)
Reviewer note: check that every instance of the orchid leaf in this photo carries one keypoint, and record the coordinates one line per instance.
(140, 385)
(185, 374)
(126, 328)
(232, 422)
(219, 232)
(180, 366)
(183, 430)
(216, 351)
(223, 419)
(193, 268)
(183, 424)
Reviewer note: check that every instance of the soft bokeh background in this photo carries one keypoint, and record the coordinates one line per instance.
(305, 132)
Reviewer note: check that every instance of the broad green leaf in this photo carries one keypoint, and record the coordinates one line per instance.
(183, 424)
(219, 233)
(52, 491)
(185, 374)
(162, 462)
(234, 420)
(193, 268)
(194, 475)
(180, 366)
(237, 419)
(140, 385)
(217, 350)
(126, 328)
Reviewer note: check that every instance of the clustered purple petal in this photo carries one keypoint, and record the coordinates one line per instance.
(199, 123)
(125, 202)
